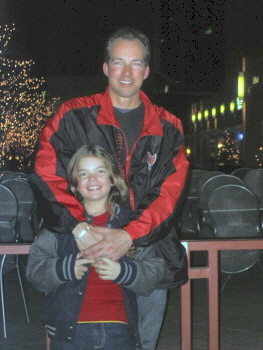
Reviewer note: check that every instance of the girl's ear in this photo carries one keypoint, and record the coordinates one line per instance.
(114, 181)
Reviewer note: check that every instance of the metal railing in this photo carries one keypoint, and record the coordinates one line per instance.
(210, 272)
(14, 249)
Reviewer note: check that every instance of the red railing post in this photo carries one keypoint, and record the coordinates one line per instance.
(213, 300)
(211, 273)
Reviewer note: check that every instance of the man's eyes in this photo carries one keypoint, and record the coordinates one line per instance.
(135, 64)
(118, 62)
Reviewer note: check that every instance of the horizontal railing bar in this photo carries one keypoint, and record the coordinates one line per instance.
(15, 248)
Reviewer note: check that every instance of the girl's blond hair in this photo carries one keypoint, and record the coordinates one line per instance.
(119, 190)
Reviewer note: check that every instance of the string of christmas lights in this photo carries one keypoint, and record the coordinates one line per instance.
(259, 157)
(228, 154)
(23, 107)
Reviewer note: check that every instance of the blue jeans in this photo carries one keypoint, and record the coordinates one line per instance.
(150, 317)
(96, 336)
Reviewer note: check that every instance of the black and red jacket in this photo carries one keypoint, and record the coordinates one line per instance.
(155, 170)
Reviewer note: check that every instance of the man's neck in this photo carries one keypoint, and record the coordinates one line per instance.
(125, 102)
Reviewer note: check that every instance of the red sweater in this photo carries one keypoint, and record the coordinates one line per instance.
(103, 300)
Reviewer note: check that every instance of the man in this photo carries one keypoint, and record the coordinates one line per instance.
(147, 142)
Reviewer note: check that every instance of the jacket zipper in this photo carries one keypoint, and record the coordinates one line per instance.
(127, 168)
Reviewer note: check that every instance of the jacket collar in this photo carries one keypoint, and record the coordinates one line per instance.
(151, 124)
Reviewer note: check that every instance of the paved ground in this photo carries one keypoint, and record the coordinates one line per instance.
(241, 316)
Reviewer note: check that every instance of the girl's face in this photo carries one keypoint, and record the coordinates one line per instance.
(93, 181)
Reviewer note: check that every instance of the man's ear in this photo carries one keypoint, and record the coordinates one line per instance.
(106, 69)
(146, 72)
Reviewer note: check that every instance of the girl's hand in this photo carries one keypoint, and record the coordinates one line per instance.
(80, 269)
(106, 268)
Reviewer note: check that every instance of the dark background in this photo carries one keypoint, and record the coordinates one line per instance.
(66, 37)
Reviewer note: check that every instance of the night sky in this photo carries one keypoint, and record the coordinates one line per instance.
(66, 37)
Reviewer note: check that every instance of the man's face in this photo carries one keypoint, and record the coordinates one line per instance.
(126, 71)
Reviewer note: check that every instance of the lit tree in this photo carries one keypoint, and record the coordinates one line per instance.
(23, 107)
(228, 155)
(259, 157)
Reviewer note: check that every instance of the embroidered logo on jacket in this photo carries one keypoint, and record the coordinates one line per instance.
(131, 252)
(151, 159)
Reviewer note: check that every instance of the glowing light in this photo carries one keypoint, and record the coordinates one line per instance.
(206, 114)
(239, 104)
(193, 118)
(213, 112)
(232, 106)
(241, 86)
(199, 116)
(255, 79)
(228, 153)
(188, 151)
(23, 108)
(240, 136)
(259, 157)
(222, 109)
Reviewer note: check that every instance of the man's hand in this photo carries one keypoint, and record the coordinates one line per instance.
(89, 238)
(80, 269)
(107, 269)
(114, 245)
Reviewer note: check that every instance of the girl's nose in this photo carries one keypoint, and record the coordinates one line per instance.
(92, 177)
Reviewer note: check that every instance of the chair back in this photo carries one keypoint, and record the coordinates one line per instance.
(6, 174)
(241, 172)
(215, 182)
(254, 181)
(235, 214)
(26, 207)
(21, 175)
(8, 215)
(203, 178)
(195, 175)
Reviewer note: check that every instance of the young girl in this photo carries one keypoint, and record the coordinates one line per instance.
(91, 304)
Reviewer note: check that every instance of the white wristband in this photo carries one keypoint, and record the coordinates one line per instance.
(82, 233)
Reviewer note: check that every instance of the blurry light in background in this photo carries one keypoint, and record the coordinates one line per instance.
(222, 109)
(240, 136)
(214, 112)
(232, 106)
(241, 86)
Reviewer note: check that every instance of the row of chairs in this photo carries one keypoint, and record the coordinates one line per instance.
(225, 206)
(7, 174)
(251, 177)
(18, 223)
(203, 183)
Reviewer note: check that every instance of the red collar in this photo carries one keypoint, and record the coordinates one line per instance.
(151, 125)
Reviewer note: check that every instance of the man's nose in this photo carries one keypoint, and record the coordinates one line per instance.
(127, 69)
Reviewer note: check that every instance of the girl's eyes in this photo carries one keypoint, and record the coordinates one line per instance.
(85, 174)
